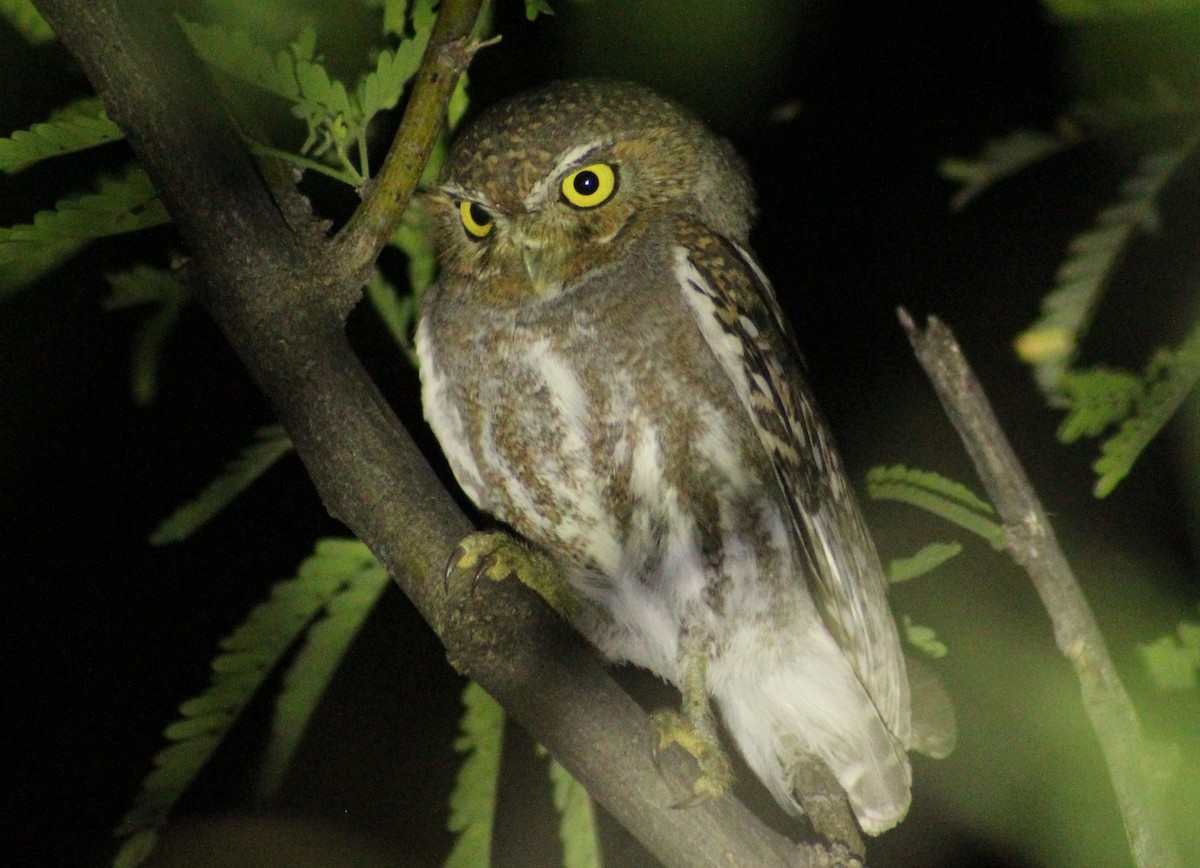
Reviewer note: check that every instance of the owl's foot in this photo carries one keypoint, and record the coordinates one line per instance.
(715, 776)
(497, 556)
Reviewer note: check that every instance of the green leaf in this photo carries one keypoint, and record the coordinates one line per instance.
(1172, 662)
(1169, 379)
(927, 559)
(75, 127)
(236, 53)
(1051, 343)
(473, 802)
(271, 444)
(1096, 399)
(576, 820)
(25, 19)
(145, 284)
(534, 8)
(123, 204)
(1002, 158)
(934, 493)
(924, 639)
(395, 14)
(248, 656)
(381, 88)
(328, 639)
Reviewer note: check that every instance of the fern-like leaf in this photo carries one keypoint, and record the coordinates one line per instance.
(25, 20)
(380, 89)
(935, 493)
(123, 204)
(1002, 158)
(1169, 379)
(576, 820)
(271, 444)
(1096, 399)
(363, 582)
(247, 657)
(75, 127)
(929, 558)
(141, 285)
(473, 802)
(1051, 343)
(924, 639)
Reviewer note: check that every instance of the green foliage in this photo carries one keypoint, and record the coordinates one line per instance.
(935, 493)
(1002, 158)
(924, 639)
(1051, 343)
(577, 820)
(1173, 661)
(337, 116)
(473, 802)
(1097, 398)
(534, 8)
(147, 285)
(77, 126)
(929, 558)
(272, 444)
(122, 204)
(25, 19)
(325, 645)
(1169, 378)
(247, 657)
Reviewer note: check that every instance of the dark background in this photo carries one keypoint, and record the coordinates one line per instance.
(105, 635)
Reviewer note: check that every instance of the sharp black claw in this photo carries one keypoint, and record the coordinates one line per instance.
(456, 555)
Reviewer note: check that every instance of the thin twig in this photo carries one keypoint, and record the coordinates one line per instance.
(447, 56)
(1031, 542)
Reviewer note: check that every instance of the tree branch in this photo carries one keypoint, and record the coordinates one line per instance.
(281, 305)
(1031, 542)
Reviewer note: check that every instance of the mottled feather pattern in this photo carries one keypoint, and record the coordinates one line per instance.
(609, 373)
(843, 567)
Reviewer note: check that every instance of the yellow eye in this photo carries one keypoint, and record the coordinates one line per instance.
(475, 219)
(590, 186)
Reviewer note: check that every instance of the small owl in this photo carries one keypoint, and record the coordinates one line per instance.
(608, 372)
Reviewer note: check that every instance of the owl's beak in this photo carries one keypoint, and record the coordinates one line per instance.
(542, 265)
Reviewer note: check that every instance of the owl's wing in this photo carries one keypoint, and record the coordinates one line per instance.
(735, 308)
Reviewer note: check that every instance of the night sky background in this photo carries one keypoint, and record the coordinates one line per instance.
(104, 635)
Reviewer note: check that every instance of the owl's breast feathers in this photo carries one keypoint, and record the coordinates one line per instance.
(651, 429)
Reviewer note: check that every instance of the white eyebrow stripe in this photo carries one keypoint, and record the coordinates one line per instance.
(542, 190)
(459, 194)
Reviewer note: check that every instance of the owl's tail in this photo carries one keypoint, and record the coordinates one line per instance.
(789, 702)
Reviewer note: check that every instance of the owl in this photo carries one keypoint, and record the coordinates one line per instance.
(609, 374)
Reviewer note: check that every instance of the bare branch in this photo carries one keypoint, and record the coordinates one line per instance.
(281, 304)
(1031, 542)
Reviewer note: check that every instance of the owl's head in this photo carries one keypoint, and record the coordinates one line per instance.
(551, 186)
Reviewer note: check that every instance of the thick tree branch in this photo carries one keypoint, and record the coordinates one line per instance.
(281, 306)
(1031, 542)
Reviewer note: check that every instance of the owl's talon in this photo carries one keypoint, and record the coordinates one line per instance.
(716, 775)
(496, 556)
